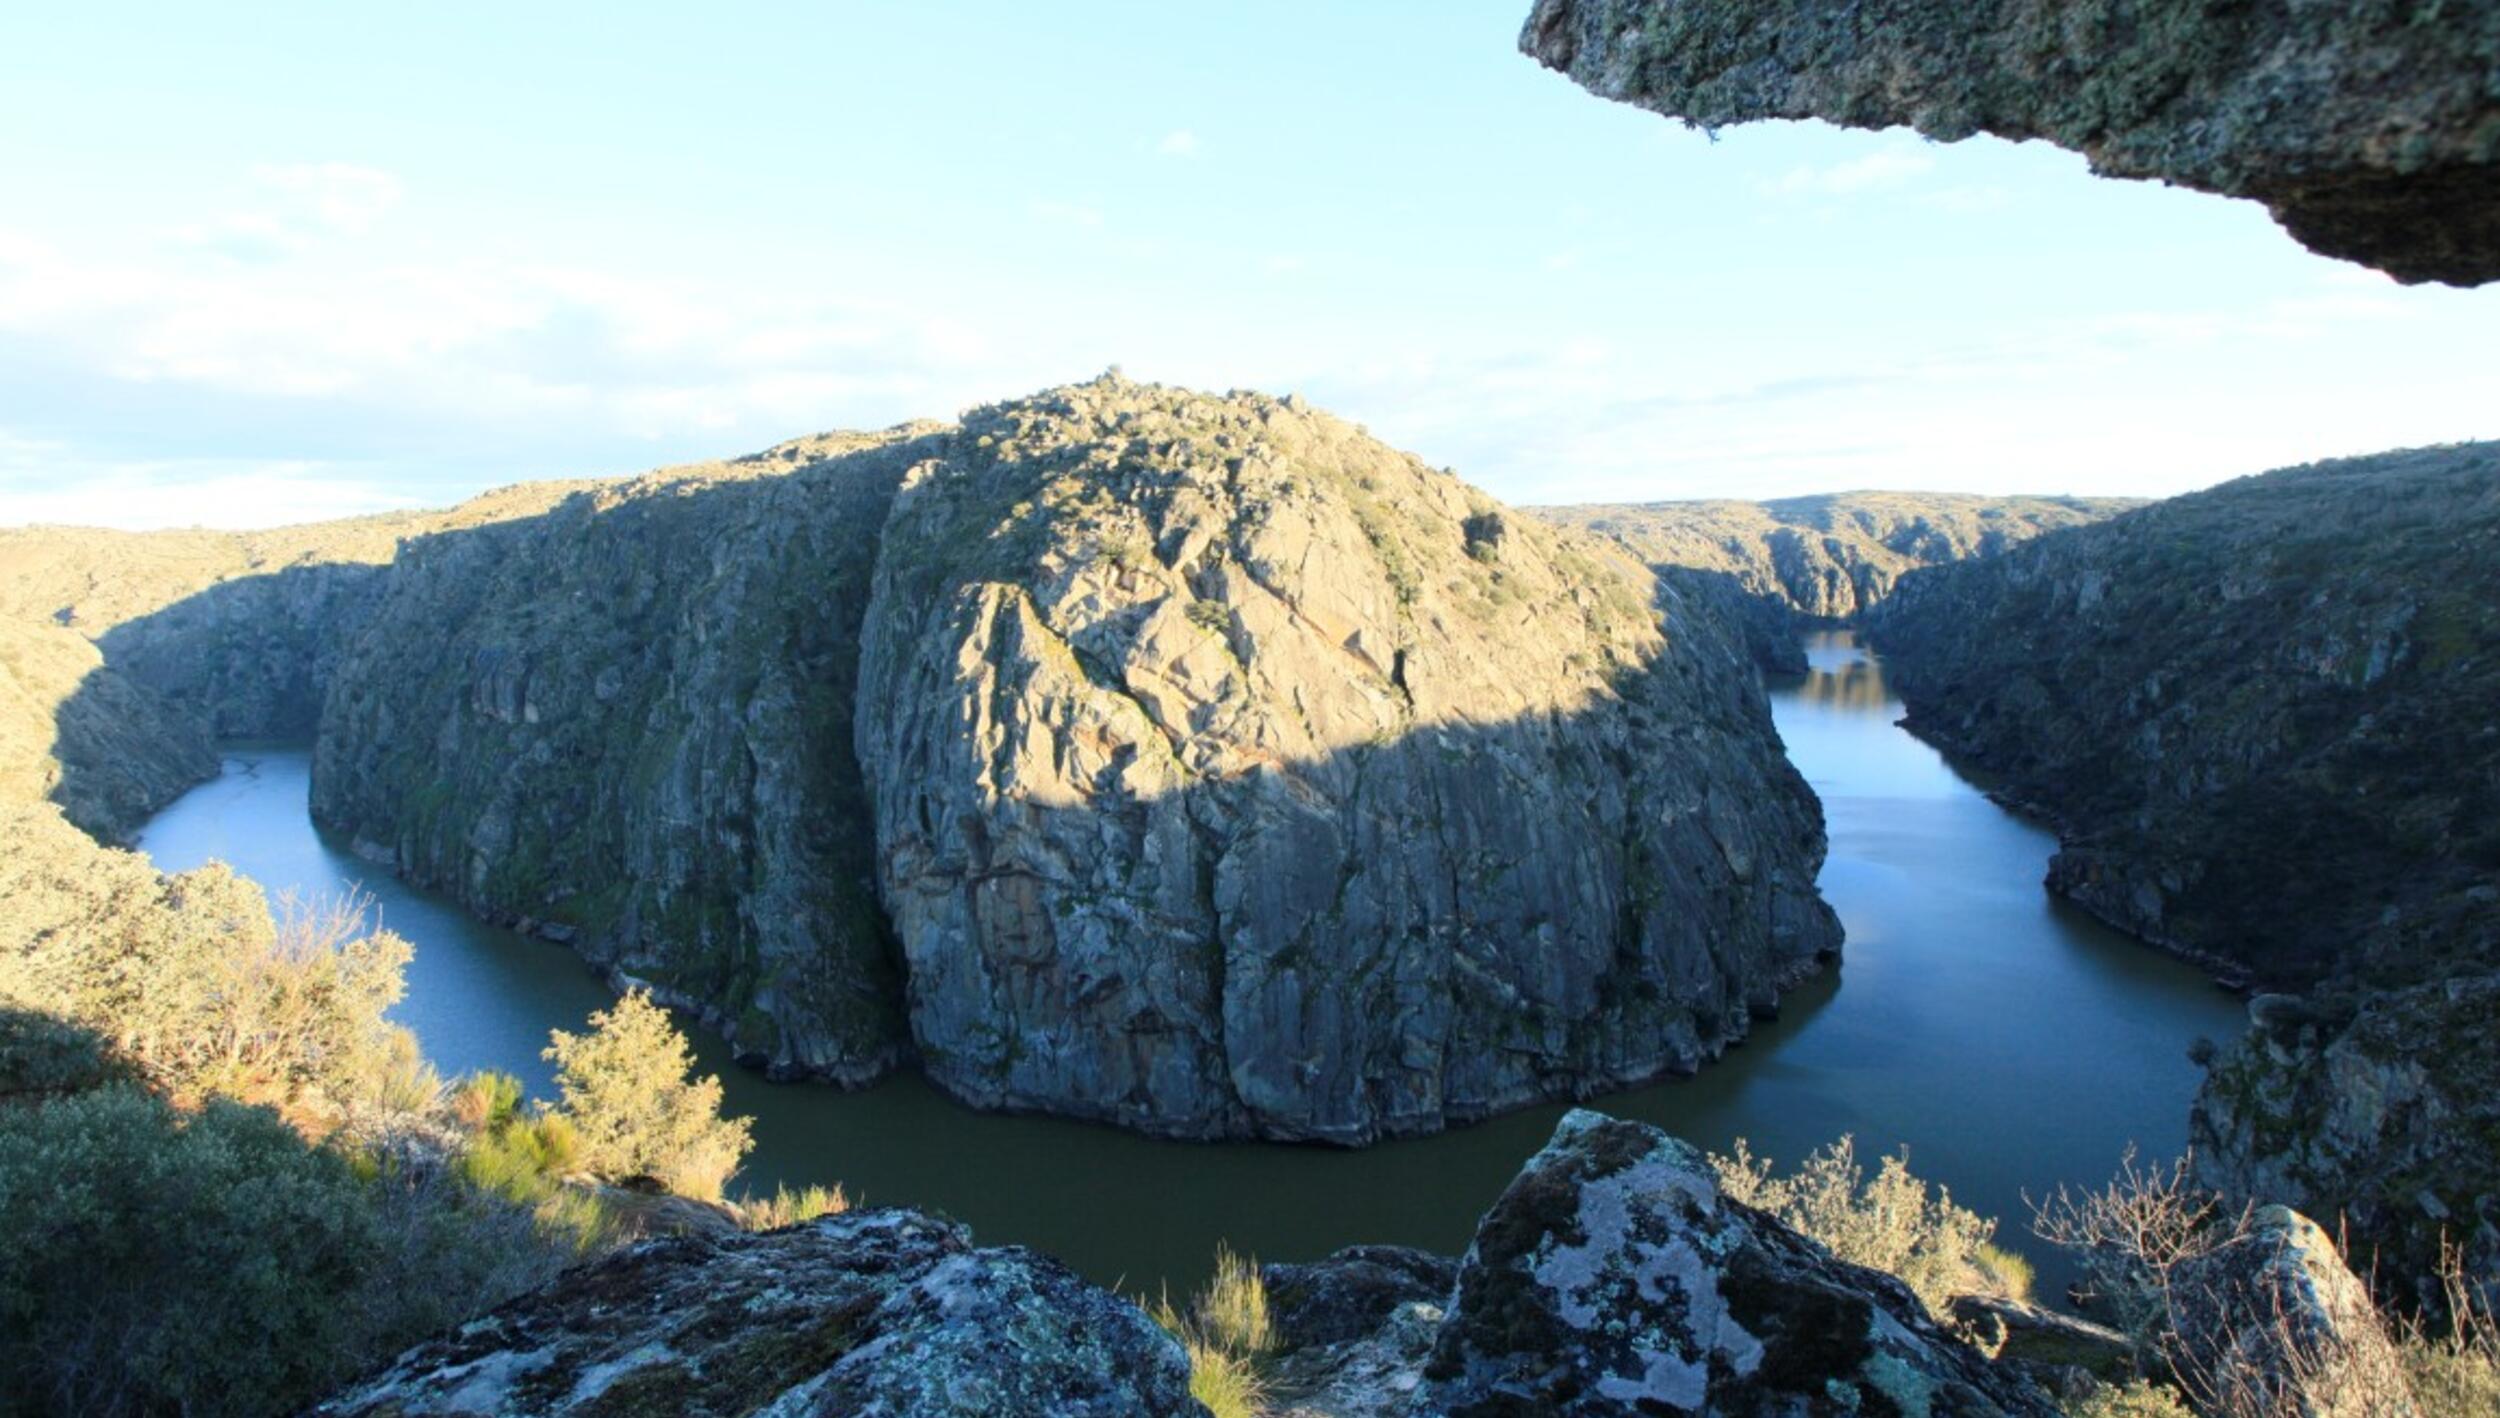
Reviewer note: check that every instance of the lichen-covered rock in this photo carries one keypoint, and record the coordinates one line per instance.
(1234, 774)
(625, 723)
(1349, 1294)
(2371, 131)
(1771, 565)
(875, 1314)
(2273, 1322)
(1613, 1277)
(2389, 1121)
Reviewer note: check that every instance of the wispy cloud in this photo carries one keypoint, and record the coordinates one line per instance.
(1179, 143)
(1065, 213)
(1886, 167)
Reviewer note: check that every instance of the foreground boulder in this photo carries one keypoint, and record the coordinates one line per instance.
(1614, 1278)
(884, 1312)
(2370, 132)
(2272, 1322)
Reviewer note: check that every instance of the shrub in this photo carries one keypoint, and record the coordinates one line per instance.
(2130, 1234)
(1890, 1223)
(630, 1096)
(214, 1262)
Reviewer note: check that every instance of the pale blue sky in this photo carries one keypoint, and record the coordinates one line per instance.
(263, 263)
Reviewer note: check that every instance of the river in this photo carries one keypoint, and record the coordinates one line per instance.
(2007, 1040)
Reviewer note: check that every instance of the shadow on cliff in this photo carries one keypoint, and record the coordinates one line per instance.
(495, 722)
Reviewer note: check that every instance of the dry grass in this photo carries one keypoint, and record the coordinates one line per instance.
(1227, 1330)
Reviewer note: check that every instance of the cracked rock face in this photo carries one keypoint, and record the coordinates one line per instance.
(1234, 774)
(2371, 131)
(875, 1314)
(1613, 1278)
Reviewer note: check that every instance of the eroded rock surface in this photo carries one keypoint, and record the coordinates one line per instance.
(1613, 1278)
(887, 1313)
(2370, 131)
(1234, 774)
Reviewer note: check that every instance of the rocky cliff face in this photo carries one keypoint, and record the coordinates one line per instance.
(1771, 565)
(2261, 718)
(2370, 131)
(1220, 771)
(625, 723)
(1234, 774)
(235, 632)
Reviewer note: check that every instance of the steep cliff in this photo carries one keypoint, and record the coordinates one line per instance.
(1219, 770)
(625, 723)
(1235, 774)
(78, 734)
(236, 632)
(2261, 717)
(1771, 565)
(2371, 131)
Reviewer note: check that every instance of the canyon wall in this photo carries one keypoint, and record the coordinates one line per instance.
(1773, 567)
(2261, 718)
(1197, 764)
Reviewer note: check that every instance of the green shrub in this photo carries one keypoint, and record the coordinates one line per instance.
(214, 1262)
(629, 1092)
(1890, 1222)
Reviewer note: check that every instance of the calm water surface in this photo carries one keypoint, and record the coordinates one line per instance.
(2006, 1039)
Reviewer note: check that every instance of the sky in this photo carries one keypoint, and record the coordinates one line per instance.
(273, 263)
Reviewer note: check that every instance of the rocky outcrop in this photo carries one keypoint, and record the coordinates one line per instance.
(2371, 132)
(625, 723)
(2390, 1121)
(1613, 1278)
(1220, 771)
(869, 1313)
(1234, 774)
(2273, 1322)
(1772, 566)
(2260, 718)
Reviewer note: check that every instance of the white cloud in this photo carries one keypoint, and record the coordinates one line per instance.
(1179, 143)
(1886, 167)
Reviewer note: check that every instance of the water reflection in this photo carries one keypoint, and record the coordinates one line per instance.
(2008, 1043)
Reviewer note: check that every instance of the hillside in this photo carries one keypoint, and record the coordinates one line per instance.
(2261, 717)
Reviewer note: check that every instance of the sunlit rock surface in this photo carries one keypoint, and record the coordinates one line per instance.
(2371, 131)
(1236, 774)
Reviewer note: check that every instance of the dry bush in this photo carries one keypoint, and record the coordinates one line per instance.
(2129, 1235)
(1892, 1222)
